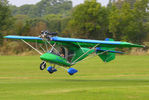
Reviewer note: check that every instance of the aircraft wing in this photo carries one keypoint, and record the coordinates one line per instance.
(77, 42)
(92, 43)
(26, 38)
(104, 49)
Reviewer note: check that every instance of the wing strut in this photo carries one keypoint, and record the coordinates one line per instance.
(85, 53)
(53, 47)
(94, 55)
(42, 48)
(32, 47)
(80, 47)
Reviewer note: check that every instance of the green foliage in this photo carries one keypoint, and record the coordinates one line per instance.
(45, 15)
(119, 20)
(127, 24)
(1, 39)
(25, 25)
(140, 14)
(89, 20)
(5, 15)
(56, 22)
(122, 20)
(43, 7)
(5, 18)
(53, 22)
(119, 3)
(131, 2)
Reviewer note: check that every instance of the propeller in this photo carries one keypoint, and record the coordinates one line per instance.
(47, 34)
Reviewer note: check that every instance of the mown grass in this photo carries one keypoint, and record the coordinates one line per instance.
(126, 78)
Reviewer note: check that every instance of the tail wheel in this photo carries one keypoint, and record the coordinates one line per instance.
(43, 65)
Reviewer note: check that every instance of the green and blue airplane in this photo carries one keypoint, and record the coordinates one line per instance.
(65, 52)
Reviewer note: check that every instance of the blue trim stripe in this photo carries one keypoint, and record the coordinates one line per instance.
(100, 49)
(85, 40)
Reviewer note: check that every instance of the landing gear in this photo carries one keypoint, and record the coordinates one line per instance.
(43, 65)
(51, 69)
(72, 71)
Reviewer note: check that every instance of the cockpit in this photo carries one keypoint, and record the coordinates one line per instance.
(63, 52)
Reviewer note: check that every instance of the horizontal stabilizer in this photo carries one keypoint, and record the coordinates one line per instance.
(104, 50)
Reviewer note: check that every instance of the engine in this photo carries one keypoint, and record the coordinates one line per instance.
(47, 35)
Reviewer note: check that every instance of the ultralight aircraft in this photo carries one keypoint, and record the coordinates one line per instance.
(65, 52)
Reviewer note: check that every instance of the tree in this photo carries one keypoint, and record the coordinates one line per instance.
(53, 22)
(131, 2)
(127, 24)
(43, 7)
(89, 20)
(140, 12)
(33, 26)
(119, 3)
(5, 15)
(5, 18)
(119, 20)
(36, 30)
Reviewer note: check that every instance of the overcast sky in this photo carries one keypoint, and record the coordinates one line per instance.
(75, 2)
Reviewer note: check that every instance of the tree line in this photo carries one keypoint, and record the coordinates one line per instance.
(120, 20)
(125, 20)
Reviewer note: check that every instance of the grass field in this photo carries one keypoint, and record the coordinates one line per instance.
(126, 78)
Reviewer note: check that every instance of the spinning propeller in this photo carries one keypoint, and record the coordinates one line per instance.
(47, 34)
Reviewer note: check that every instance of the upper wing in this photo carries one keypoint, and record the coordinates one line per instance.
(26, 38)
(77, 42)
(91, 43)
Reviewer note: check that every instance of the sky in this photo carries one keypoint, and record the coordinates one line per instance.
(75, 2)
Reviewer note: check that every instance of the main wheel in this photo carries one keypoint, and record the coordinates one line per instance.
(51, 69)
(72, 71)
(43, 65)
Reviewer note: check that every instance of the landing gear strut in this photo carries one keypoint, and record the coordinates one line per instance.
(43, 65)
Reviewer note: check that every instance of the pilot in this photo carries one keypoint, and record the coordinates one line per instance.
(62, 52)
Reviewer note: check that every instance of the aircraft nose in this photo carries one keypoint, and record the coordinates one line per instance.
(48, 57)
(55, 59)
(43, 57)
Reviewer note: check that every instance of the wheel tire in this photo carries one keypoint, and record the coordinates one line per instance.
(71, 74)
(51, 69)
(51, 72)
(42, 65)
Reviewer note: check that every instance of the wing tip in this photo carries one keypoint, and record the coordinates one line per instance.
(137, 45)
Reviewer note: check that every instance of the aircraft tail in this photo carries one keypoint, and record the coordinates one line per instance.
(105, 53)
